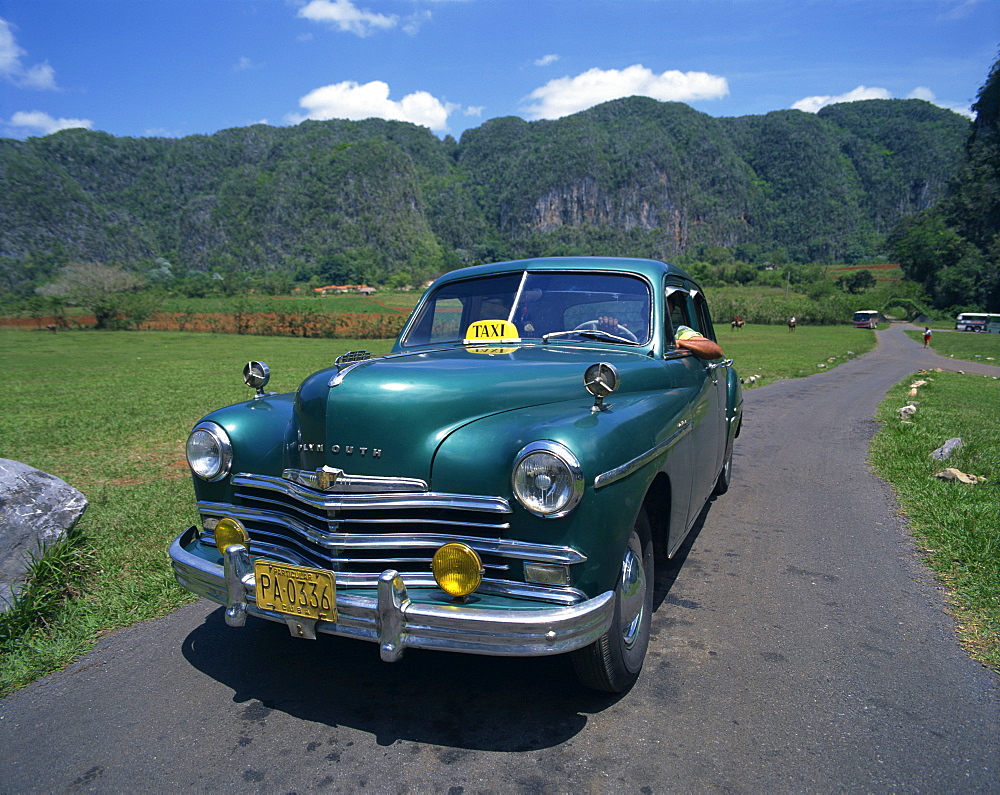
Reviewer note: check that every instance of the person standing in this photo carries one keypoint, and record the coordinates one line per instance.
(927, 336)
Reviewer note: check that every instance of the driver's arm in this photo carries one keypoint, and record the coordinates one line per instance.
(700, 346)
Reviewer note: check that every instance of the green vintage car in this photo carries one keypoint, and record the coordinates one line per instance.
(499, 484)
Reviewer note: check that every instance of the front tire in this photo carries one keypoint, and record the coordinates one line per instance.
(612, 663)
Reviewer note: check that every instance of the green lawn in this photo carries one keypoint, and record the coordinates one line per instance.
(774, 352)
(969, 346)
(957, 525)
(109, 412)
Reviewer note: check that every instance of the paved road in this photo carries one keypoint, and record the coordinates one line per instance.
(799, 646)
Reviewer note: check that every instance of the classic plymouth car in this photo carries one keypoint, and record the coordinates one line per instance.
(499, 484)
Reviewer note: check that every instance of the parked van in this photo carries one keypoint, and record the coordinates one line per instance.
(866, 318)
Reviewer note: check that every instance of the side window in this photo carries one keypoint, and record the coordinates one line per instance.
(679, 309)
(702, 322)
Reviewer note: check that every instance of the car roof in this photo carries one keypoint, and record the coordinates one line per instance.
(652, 269)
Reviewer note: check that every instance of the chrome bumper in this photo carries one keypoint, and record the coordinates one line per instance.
(395, 622)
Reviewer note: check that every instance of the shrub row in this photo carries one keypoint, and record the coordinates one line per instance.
(346, 325)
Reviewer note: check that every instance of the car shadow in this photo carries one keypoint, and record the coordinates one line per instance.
(667, 570)
(461, 701)
(455, 700)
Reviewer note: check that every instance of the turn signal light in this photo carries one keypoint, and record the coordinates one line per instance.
(457, 569)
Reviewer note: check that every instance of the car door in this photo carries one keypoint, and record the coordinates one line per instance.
(704, 383)
(718, 376)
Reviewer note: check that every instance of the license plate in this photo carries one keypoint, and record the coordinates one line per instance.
(296, 590)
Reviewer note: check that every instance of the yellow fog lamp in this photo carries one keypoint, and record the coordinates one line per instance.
(230, 531)
(457, 569)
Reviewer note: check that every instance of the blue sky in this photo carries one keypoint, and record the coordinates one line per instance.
(182, 67)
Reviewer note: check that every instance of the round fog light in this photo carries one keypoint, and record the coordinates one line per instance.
(457, 569)
(230, 531)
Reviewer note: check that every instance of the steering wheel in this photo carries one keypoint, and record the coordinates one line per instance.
(596, 325)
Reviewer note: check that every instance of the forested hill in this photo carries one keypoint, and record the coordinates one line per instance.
(360, 201)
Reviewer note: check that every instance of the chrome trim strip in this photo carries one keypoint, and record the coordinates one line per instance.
(301, 510)
(394, 621)
(501, 547)
(490, 585)
(626, 469)
(379, 502)
(354, 484)
(343, 371)
(339, 377)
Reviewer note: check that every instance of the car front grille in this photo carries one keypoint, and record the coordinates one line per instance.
(360, 535)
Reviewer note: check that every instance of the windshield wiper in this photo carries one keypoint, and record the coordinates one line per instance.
(596, 334)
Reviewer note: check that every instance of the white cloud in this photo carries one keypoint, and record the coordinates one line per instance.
(413, 23)
(567, 95)
(40, 76)
(347, 17)
(813, 104)
(10, 52)
(921, 92)
(354, 101)
(545, 60)
(37, 122)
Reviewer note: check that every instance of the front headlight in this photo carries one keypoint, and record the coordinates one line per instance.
(547, 479)
(209, 453)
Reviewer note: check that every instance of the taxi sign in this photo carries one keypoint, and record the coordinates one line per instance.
(491, 332)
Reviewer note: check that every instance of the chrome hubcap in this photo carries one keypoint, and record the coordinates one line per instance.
(632, 591)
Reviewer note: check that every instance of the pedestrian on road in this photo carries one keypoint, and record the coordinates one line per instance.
(927, 336)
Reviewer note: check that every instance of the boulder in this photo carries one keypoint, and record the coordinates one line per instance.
(36, 509)
(944, 451)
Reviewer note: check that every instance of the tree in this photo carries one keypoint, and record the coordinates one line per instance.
(924, 244)
(856, 282)
(105, 290)
(953, 249)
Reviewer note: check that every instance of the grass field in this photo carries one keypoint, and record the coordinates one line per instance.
(971, 347)
(774, 352)
(109, 413)
(957, 525)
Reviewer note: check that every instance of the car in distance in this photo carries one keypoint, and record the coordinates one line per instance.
(866, 318)
(499, 484)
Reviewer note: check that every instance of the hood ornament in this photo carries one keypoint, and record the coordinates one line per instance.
(345, 362)
(256, 375)
(327, 476)
(601, 380)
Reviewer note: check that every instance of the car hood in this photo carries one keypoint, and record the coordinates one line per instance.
(388, 416)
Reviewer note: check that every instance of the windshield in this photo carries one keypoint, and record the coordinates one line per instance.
(601, 306)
